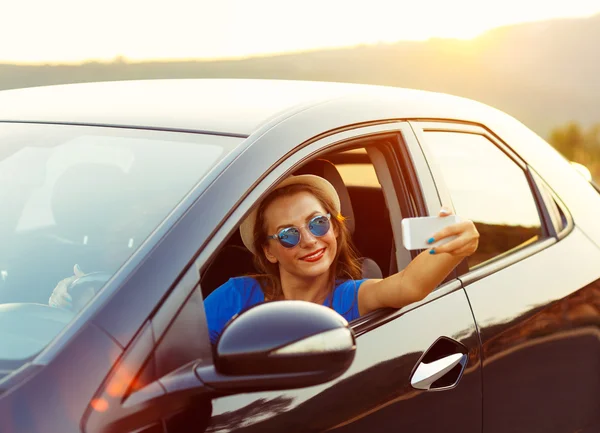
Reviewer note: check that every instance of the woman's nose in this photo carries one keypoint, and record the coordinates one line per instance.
(307, 238)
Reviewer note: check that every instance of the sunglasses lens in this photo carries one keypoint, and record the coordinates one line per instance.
(289, 237)
(319, 226)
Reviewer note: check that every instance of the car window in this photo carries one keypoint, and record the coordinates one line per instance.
(363, 206)
(356, 169)
(489, 188)
(358, 175)
(372, 192)
(86, 196)
(555, 213)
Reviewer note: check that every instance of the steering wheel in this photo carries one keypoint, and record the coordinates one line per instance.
(26, 328)
(84, 288)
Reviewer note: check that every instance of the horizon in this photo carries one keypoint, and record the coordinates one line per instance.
(242, 32)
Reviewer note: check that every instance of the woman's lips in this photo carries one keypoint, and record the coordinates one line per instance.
(313, 257)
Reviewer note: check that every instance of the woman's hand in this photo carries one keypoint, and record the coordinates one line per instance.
(466, 242)
(424, 273)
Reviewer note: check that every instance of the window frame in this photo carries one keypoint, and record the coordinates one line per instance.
(510, 257)
(405, 156)
(551, 200)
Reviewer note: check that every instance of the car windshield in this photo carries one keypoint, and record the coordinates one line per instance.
(77, 202)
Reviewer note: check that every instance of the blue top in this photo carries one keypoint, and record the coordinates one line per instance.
(240, 293)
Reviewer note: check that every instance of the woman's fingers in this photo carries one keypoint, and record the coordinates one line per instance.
(451, 246)
(465, 251)
(451, 230)
(466, 242)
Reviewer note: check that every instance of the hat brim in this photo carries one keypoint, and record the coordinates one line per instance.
(317, 182)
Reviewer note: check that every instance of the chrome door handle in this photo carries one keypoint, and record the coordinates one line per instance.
(426, 374)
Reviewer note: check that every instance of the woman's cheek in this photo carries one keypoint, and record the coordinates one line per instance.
(288, 255)
(332, 245)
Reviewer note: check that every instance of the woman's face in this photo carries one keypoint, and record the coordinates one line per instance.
(313, 256)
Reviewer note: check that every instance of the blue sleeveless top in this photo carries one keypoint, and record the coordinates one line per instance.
(240, 293)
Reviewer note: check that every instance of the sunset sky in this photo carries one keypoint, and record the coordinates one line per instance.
(35, 31)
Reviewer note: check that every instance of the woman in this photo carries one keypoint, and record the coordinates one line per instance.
(303, 249)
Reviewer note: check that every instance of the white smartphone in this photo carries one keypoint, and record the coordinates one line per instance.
(417, 231)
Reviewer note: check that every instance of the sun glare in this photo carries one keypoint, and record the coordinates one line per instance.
(236, 28)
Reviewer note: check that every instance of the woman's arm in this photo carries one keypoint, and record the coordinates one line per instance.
(423, 274)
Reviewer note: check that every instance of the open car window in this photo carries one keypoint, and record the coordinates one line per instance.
(364, 207)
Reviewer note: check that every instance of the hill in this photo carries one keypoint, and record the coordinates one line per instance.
(544, 73)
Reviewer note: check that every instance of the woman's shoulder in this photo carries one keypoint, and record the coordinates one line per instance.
(345, 298)
(244, 281)
(350, 284)
(236, 286)
(346, 290)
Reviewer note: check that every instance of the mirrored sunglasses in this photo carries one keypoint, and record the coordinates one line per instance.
(289, 237)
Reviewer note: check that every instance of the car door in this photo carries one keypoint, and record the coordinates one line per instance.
(415, 368)
(533, 284)
(384, 388)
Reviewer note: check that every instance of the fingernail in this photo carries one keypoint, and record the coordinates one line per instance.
(68, 297)
(430, 240)
(431, 251)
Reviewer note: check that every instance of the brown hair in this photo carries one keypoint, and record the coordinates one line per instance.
(345, 264)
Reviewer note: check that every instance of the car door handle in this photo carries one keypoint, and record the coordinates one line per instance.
(426, 374)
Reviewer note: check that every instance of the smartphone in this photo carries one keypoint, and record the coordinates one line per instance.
(417, 231)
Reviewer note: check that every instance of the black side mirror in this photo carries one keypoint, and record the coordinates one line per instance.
(275, 345)
(281, 345)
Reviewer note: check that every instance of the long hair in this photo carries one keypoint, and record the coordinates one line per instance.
(345, 264)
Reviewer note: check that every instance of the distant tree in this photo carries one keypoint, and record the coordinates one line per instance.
(579, 145)
(592, 143)
(568, 140)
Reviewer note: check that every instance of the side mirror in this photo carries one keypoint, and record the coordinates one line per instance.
(275, 345)
(281, 345)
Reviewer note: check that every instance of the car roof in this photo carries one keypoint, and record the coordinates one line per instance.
(225, 106)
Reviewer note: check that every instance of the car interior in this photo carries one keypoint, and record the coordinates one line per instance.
(356, 174)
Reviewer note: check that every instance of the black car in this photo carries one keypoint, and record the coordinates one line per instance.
(125, 198)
